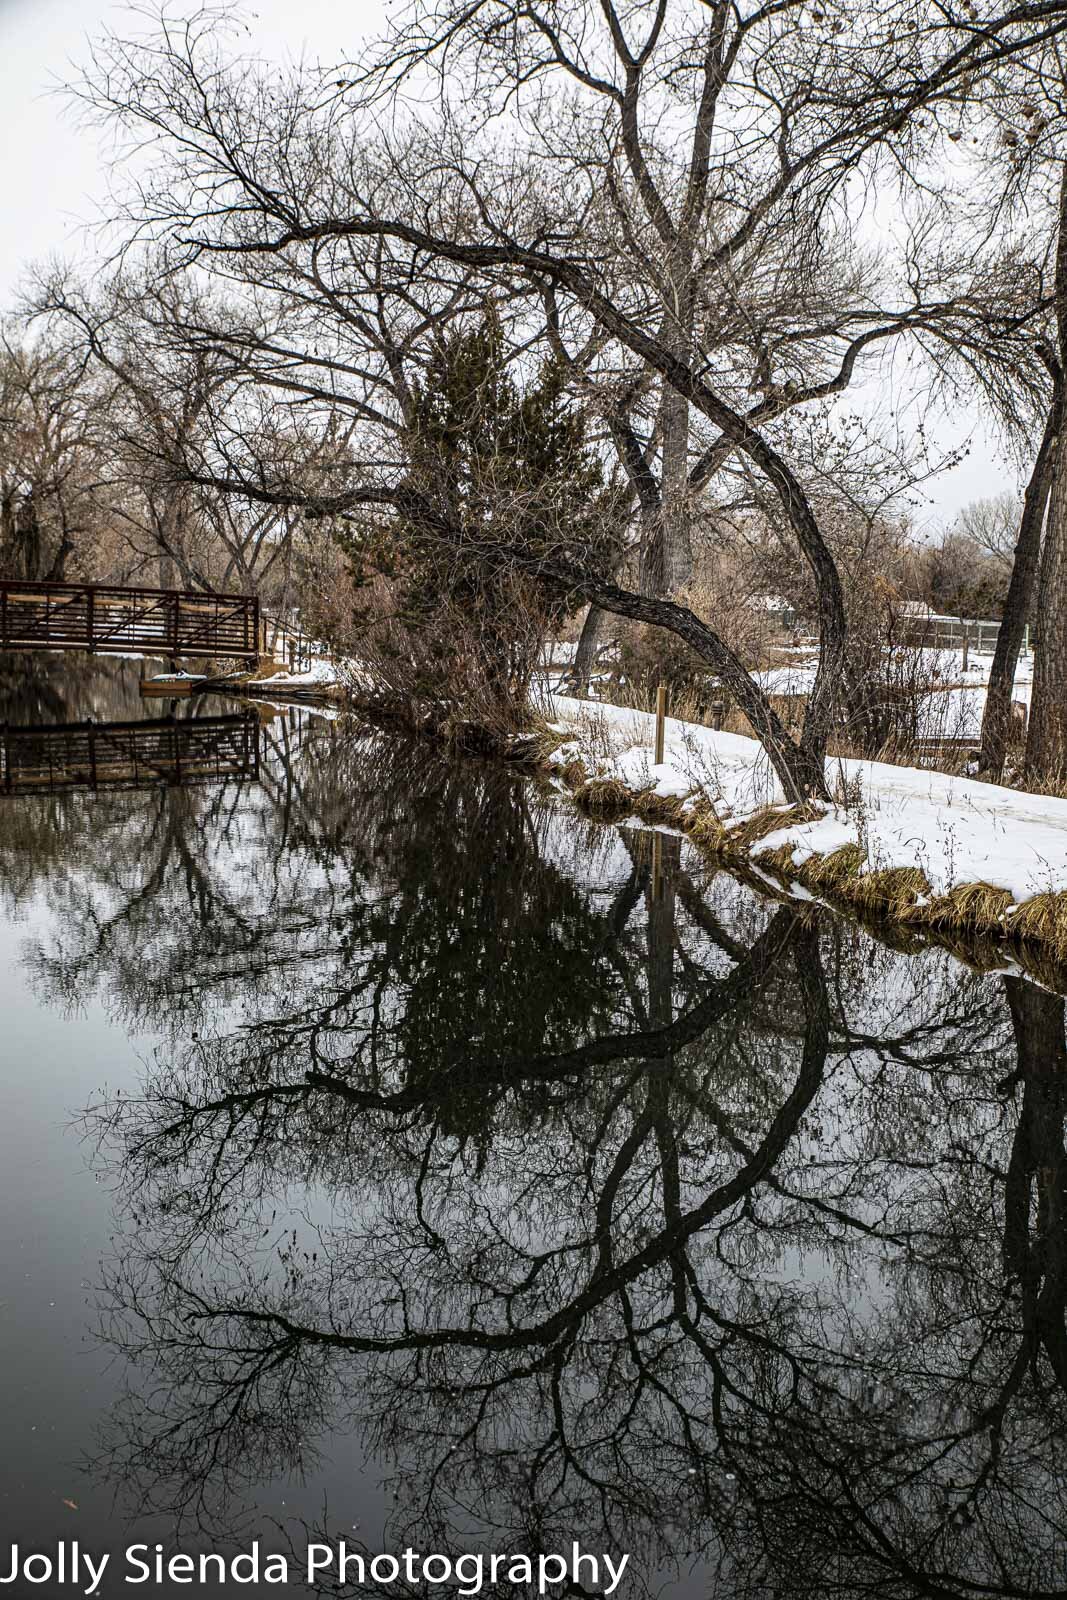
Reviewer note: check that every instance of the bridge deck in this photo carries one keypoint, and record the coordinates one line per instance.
(52, 758)
(119, 620)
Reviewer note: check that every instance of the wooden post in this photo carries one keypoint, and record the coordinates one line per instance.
(661, 717)
(657, 866)
(966, 647)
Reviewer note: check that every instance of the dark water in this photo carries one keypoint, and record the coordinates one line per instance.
(387, 1155)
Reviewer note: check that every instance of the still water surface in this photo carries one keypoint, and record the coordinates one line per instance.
(388, 1155)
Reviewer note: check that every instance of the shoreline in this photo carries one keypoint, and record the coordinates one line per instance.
(718, 790)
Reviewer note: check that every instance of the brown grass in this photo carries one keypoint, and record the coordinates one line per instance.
(605, 797)
(1042, 920)
(968, 905)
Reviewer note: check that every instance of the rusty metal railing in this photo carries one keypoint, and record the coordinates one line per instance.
(116, 620)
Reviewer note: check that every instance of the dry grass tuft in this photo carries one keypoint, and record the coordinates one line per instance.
(968, 905)
(606, 797)
(779, 861)
(757, 827)
(545, 741)
(706, 827)
(891, 891)
(834, 873)
(1040, 920)
(667, 809)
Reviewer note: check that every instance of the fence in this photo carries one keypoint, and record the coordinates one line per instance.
(949, 633)
(287, 645)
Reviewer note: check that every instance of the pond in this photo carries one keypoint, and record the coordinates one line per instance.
(391, 1157)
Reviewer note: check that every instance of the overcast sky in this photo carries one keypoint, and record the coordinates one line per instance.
(53, 173)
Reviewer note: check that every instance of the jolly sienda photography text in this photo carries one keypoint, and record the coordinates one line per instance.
(71, 1563)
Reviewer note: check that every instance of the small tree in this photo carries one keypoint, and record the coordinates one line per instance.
(489, 462)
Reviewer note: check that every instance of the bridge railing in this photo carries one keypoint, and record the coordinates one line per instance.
(117, 620)
(289, 646)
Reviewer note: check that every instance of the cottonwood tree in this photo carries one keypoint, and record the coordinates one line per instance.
(165, 391)
(1017, 119)
(55, 468)
(1046, 742)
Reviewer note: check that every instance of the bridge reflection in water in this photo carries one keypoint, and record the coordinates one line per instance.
(57, 757)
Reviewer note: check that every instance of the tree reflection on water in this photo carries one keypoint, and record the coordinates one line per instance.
(603, 1205)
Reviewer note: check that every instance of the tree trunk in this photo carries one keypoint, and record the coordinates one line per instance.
(800, 768)
(667, 546)
(1035, 1189)
(996, 719)
(594, 635)
(28, 557)
(1046, 744)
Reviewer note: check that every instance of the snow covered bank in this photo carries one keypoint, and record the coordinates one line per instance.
(924, 846)
(324, 680)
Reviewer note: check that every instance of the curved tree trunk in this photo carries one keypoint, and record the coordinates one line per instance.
(800, 767)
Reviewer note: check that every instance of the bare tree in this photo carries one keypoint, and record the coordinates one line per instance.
(54, 467)
(595, 257)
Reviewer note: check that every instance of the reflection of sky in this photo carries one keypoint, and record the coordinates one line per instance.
(55, 1228)
(57, 1223)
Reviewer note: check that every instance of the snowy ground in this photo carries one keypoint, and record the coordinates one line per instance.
(322, 674)
(957, 831)
(951, 711)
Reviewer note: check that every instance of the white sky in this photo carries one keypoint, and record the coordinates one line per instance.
(53, 174)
